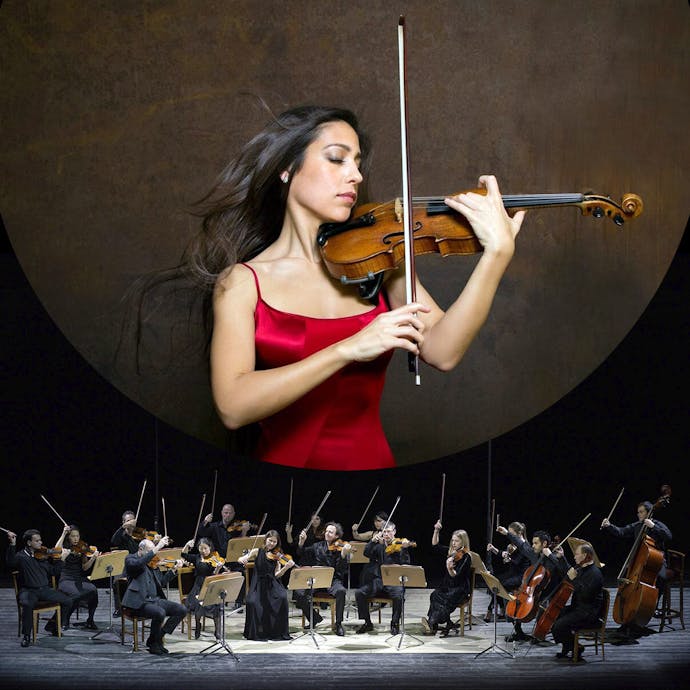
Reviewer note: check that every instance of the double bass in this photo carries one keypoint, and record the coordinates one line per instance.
(637, 592)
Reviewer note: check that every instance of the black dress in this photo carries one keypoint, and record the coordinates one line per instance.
(267, 603)
(452, 592)
(201, 571)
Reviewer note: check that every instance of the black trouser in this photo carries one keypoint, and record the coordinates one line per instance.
(337, 589)
(80, 591)
(28, 598)
(157, 610)
(569, 619)
(375, 588)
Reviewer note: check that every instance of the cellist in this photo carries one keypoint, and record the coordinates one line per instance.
(656, 529)
(539, 553)
(583, 610)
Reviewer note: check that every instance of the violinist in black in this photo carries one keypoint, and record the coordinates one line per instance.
(656, 529)
(145, 593)
(315, 532)
(510, 576)
(205, 563)
(368, 572)
(330, 552)
(382, 551)
(539, 553)
(456, 586)
(122, 539)
(34, 582)
(585, 606)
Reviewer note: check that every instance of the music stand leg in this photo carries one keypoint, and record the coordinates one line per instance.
(220, 644)
(110, 627)
(310, 632)
(402, 632)
(494, 646)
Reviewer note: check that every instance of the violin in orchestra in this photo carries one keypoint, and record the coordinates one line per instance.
(44, 552)
(400, 543)
(277, 555)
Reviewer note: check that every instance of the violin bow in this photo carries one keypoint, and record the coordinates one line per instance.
(198, 520)
(261, 526)
(289, 520)
(55, 511)
(574, 529)
(141, 497)
(390, 515)
(165, 522)
(366, 510)
(410, 273)
(443, 493)
(489, 555)
(6, 531)
(615, 504)
(318, 510)
(215, 484)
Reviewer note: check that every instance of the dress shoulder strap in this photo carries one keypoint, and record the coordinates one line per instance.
(256, 279)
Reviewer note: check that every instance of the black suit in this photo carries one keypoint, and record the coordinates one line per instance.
(145, 595)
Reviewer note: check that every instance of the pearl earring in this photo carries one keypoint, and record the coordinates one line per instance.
(285, 177)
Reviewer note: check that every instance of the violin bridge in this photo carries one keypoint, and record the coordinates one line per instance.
(398, 209)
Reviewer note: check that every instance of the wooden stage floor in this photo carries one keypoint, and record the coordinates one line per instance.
(658, 660)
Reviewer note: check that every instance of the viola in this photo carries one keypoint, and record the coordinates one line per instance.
(396, 545)
(360, 250)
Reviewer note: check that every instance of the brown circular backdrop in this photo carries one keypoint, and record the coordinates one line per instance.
(117, 115)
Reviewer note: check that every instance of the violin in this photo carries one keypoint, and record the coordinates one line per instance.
(337, 545)
(396, 545)
(239, 525)
(459, 554)
(214, 559)
(81, 547)
(278, 556)
(47, 553)
(162, 563)
(363, 248)
(140, 533)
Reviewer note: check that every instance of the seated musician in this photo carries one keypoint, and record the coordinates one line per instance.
(328, 553)
(379, 521)
(122, 540)
(205, 563)
(73, 578)
(456, 586)
(382, 550)
(554, 562)
(656, 529)
(221, 532)
(144, 594)
(585, 605)
(510, 576)
(34, 582)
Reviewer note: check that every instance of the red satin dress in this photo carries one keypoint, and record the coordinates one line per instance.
(335, 426)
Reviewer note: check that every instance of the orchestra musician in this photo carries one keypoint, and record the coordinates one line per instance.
(539, 552)
(315, 532)
(122, 539)
(656, 529)
(76, 563)
(145, 596)
(34, 582)
(267, 601)
(330, 552)
(380, 551)
(515, 563)
(585, 606)
(456, 586)
(368, 571)
(205, 563)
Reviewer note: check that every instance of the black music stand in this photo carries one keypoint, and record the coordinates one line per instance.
(215, 590)
(497, 590)
(403, 576)
(110, 565)
(311, 578)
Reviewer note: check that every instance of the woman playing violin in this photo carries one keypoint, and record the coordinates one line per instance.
(77, 559)
(456, 587)
(267, 600)
(206, 562)
(294, 350)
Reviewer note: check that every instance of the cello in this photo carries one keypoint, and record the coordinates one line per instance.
(637, 592)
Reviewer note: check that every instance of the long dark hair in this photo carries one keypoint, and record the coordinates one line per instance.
(241, 215)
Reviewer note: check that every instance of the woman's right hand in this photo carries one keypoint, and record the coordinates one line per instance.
(398, 328)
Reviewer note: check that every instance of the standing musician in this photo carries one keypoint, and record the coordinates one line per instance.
(221, 532)
(656, 529)
(34, 582)
(330, 552)
(77, 559)
(382, 551)
(456, 585)
(554, 562)
(510, 577)
(144, 594)
(585, 606)
(267, 600)
(206, 562)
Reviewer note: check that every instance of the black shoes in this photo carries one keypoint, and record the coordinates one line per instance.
(51, 627)
(26, 641)
(339, 631)
(517, 636)
(157, 649)
(367, 627)
(197, 630)
(90, 625)
(117, 613)
(395, 629)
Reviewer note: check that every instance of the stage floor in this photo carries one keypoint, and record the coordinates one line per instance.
(373, 660)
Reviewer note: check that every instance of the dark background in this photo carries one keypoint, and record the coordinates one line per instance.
(68, 434)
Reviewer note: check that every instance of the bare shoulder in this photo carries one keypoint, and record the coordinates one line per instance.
(235, 288)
